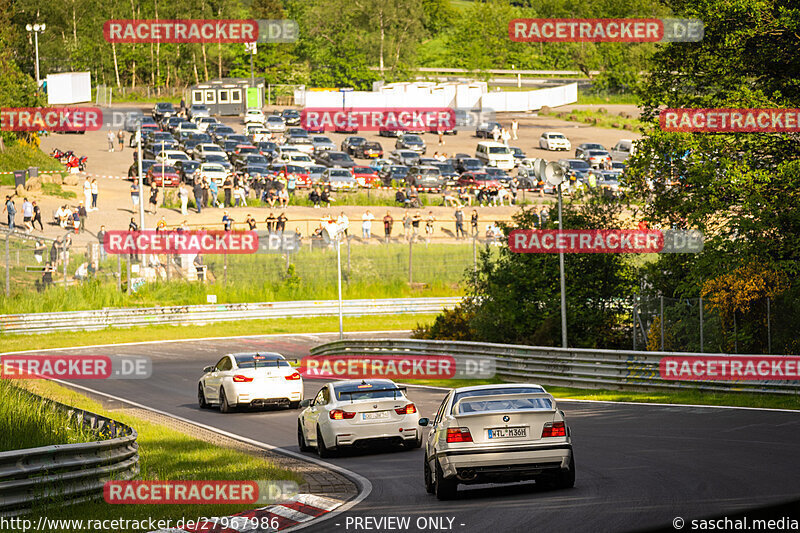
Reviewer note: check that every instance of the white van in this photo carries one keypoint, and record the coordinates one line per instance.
(623, 150)
(494, 154)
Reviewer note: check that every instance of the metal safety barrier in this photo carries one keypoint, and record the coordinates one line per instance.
(566, 367)
(67, 474)
(205, 314)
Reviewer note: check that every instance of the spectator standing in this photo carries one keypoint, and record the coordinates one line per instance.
(135, 194)
(473, 220)
(227, 221)
(133, 226)
(271, 221)
(343, 222)
(154, 198)
(460, 233)
(407, 226)
(227, 189)
(11, 209)
(388, 221)
(27, 214)
(239, 195)
(210, 193)
(429, 227)
(37, 216)
(87, 192)
(38, 251)
(514, 129)
(101, 238)
(496, 133)
(121, 139)
(95, 192)
(366, 225)
(280, 224)
(110, 137)
(183, 194)
(82, 214)
(544, 215)
(513, 187)
(505, 136)
(198, 195)
(415, 220)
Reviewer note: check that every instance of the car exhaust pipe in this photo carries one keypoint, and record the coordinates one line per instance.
(467, 474)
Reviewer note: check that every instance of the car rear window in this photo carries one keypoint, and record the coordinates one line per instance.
(367, 391)
(476, 401)
(253, 360)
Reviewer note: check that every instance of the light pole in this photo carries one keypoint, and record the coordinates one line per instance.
(141, 177)
(554, 174)
(36, 29)
(339, 270)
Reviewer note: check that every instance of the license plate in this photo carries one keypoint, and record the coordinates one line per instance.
(375, 415)
(507, 433)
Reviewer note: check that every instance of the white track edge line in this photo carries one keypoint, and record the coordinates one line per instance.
(364, 484)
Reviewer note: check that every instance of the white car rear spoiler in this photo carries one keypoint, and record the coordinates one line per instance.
(514, 396)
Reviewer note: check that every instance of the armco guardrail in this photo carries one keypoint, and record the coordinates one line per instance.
(68, 473)
(568, 367)
(203, 314)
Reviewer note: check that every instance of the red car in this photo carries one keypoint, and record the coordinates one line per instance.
(162, 176)
(366, 176)
(480, 179)
(302, 180)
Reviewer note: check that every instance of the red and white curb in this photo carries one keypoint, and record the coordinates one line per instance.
(300, 509)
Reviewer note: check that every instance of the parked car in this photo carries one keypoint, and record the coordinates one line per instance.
(497, 173)
(553, 140)
(268, 149)
(322, 142)
(478, 179)
(257, 133)
(253, 115)
(221, 159)
(163, 110)
(250, 380)
(393, 173)
(133, 170)
(387, 132)
(497, 433)
(303, 144)
(447, 171)
(198, 110)
(348, 413)
(202, 149)
(351, 142)
(331, 158)
(493, 154)
(275, 124)
(468, 164)
(365, 176)
(170, 157)
(213, 171)
(587, 146)
(404, 157)
(295, 158)
(623, 149)
(296, 132)
(368, 150)
(425, 177)
(187, 170)
(518, 154)
(485, 129)
(339, 178)
(575, 167)
(161, 175)
(596, 158)
(291, 117)
(411, 142)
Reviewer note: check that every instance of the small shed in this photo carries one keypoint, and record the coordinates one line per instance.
(228, 96)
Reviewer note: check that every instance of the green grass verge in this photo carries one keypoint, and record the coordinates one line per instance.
(25, 423)
(607, 99)
(55, 189)
(11, 343)
(600, 119)
(689, 397)
(20, 156)
(164, 454)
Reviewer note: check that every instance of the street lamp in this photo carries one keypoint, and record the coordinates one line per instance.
(36, 29)
(554, 174)
(333, 233)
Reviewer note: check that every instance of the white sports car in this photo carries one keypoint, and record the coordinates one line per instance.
(497, 433)
(250, 379)
(357, 413)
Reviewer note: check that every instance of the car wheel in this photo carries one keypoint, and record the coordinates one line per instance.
(294, 405)
(323, 451)
(429, 488)
(565, 479)
(201, 397)
(301, 439)
(445, 489)
(224, 406)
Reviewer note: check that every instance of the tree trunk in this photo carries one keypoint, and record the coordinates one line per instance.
(194, 64)
(383, 38)
(116, 65)
(205, 61)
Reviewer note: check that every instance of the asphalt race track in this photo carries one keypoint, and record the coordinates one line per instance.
(638, 466)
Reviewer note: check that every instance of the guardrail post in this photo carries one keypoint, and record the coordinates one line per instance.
(8, 273)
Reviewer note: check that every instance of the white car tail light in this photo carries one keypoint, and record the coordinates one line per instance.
(338, 414)
(293, 376)
(238, 378)
(409, 409)
(554, 429)
(458, 435)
